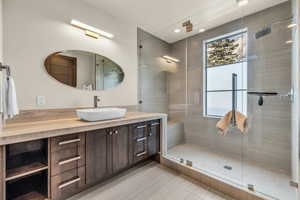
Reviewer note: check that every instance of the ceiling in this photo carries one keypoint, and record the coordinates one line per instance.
(162, 17)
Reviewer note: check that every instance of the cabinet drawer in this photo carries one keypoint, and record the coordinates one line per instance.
(67, 184)
(154, 137)
(154, 124)
(67, 159)
(139, 130)
(67, 141)
(140, 149)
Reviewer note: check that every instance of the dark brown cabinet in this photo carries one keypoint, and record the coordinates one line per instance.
(139, 144)
(67, 165)
(145, 140)
(67, 152)
(120, 148)
(107, 152)
(67, 184)
(97, 156)
(153, 137)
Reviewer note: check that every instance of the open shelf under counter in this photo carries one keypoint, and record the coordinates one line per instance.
(32, 196)
(25, 170)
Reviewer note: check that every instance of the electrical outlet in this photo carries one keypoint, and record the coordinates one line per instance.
(40, 100)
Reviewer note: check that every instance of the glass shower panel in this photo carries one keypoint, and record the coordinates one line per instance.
(200, 93)
(209, 98)
(152, 69)
(177, 97)
(267, 149)
(219, 103)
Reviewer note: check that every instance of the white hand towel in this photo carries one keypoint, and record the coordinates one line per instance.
(12, 108)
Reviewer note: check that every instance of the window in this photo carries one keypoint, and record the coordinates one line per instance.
(224, 56)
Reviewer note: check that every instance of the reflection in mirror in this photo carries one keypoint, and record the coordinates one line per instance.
(84, 70)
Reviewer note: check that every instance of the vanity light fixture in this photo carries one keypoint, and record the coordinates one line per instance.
(91, 31)
(92, 34)
(171, 59)
(242, 2)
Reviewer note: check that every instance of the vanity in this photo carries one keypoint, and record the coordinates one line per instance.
(55, 159)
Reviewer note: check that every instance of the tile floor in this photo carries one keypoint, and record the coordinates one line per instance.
(266, 181)
(150, 182)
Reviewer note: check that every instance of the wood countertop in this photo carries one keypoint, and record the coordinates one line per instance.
(21, 132)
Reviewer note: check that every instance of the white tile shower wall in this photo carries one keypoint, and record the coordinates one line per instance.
(152, 87)
(177, 83)
(33, 29)
(175, 134)
(268, 139)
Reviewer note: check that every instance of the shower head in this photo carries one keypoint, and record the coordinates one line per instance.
(265, 31)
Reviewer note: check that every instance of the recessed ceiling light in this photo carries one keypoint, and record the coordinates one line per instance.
(177, 30)
(202, 30)
(291, 25)
(242, 2)
(289, 42)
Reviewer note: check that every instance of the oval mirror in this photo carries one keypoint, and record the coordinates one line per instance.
(84, 70)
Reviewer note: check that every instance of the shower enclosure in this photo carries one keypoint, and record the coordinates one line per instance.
(198, 91)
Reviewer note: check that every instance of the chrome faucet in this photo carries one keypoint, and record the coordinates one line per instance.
(97, 101)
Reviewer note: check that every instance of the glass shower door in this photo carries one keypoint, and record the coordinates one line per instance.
(268, 148)
(200, 94)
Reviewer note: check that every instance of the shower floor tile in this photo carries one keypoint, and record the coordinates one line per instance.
(266, 181)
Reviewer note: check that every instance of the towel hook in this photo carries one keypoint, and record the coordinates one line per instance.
(6, 67)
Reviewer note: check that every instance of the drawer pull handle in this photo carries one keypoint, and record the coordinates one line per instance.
(141, 139)
(69, 160)
(155, 124)
(139, 127)
(69, 183)
(141, 154)
(68, 142)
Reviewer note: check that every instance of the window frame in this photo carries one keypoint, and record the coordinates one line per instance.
(205, 61)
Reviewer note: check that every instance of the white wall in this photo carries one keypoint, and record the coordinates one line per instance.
(1, 31)
(33, 29)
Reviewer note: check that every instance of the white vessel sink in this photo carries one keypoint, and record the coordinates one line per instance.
(99, 114)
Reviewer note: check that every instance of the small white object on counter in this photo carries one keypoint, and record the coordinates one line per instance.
(99, 114)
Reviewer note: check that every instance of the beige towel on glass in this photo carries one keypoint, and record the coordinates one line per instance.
(224, 124)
